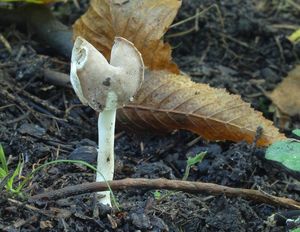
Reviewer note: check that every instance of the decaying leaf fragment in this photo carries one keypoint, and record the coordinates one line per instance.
(143, 22)
(286, 95)
(168, 101)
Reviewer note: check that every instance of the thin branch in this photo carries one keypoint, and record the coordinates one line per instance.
(57, 78)
(178, 185)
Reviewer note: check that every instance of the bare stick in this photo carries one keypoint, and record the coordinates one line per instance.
(186, 186)
(57, 78)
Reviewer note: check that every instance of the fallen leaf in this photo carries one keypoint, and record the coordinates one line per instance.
(286, 95)
(286, 155)
(143, 22)
(168, 101)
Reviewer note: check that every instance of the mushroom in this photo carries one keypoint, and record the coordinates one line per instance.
(106, 87)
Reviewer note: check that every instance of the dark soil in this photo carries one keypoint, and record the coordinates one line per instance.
(238, 46)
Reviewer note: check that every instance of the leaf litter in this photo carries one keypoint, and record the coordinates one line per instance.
(167, 102)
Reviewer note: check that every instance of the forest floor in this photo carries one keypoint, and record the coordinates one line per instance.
(240, 46)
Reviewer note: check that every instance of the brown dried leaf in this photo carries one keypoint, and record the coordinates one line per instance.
(142, 22)
(167, 102)
(286, 96)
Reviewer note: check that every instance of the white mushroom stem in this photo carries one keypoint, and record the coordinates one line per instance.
(106, 131)
(105, 160)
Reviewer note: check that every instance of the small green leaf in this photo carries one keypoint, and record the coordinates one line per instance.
(3, 162)
(286, 153)
(157, 195)
(296, 132)
(192, 161)
(16, 173)
(2, 173)
(295, 36)
(196, 159)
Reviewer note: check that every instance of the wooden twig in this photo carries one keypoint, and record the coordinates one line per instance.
(57, 78)
(186, 186)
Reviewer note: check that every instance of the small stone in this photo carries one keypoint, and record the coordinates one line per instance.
(140, 220)
(158, 224)
(32, 129)
(153, 170)
(84, 153)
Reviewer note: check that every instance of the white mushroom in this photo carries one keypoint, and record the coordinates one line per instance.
(106, 87)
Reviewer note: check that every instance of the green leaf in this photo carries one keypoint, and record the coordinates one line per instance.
(157, 195)
(2, 173)
(11, 180)
(286, 153)
(3, 162)
(192, 161)
(296, 132)
(196, 159)
(295, 36)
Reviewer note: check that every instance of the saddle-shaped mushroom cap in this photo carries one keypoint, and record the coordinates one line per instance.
(105, 86)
